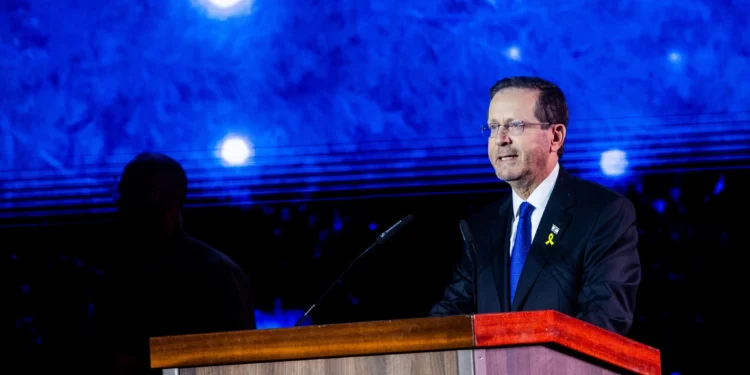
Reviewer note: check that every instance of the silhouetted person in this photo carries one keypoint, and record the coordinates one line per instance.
(163, 282)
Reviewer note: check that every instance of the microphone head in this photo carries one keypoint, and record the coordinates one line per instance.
(407, 219)
(390, 232)
(465, 232)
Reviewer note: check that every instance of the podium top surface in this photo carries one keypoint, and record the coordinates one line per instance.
(405, 336)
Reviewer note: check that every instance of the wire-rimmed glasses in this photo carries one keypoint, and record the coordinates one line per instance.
(512, 128)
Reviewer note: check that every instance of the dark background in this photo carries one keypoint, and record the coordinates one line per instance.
(292, 251)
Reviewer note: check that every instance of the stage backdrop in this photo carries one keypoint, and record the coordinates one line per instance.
(275, 100)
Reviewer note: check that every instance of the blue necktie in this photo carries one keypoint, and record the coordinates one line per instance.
(520, 246)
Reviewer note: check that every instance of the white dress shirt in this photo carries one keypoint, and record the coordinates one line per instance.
(538, 199)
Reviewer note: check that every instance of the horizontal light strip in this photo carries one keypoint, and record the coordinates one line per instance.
(51, 212)
(403, 159)
(650, 137)
(24, 195)
(302, 185)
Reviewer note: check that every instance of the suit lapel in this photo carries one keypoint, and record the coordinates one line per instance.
(555, 219)
(500, 244)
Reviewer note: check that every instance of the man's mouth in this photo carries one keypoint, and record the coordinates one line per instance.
(507, 157)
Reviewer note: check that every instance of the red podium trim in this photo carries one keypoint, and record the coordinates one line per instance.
(543, 327)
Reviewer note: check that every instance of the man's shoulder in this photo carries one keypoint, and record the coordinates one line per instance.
(209, 255)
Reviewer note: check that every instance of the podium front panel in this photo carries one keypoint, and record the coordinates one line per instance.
(451, 362)
(536, 360)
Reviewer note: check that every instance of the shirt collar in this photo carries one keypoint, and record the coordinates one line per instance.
(541, 194)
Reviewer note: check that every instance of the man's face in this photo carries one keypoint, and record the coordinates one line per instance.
(518, 158)
(146, 206)
(141, 213)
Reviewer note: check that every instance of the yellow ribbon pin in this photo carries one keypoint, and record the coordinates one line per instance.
(549, 239)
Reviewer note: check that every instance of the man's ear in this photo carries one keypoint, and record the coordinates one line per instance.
(558, 137)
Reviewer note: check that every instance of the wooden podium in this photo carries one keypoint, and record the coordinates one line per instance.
(540, 342)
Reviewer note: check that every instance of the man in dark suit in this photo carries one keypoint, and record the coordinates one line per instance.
(556, 242)
(162, 281)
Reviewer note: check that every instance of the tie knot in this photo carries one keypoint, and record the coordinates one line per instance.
(525, 210)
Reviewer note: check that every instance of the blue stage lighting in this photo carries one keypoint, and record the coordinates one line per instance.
(225, 3)
(613, 162)
(235, 151)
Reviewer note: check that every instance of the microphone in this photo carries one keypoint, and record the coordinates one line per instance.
(381, 239)
(390, 232)
(469, 241)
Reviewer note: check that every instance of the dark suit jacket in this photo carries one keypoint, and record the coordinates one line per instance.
(590, 270)
(177, 288)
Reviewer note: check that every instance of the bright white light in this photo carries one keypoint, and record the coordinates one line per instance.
(223, 9)
(514, 53)
(675, 57)
(614, 162)
(224, 3)
(235, 151)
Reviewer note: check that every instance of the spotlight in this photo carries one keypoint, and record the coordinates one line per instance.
(613, 162)
(235, 151)
(224, 3)
(223, 9)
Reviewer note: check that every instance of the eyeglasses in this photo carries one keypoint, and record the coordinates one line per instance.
(514, 127)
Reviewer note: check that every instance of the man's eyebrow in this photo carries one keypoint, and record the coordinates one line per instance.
(495, 121)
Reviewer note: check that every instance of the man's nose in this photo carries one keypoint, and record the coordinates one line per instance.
(501, 138)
